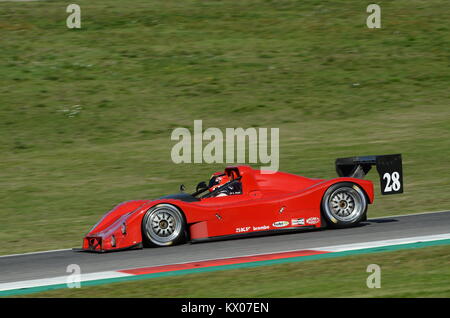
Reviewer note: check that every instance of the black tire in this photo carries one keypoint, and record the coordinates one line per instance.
(344, 204)
(163, 225)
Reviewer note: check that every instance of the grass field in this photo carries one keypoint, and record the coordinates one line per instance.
(86, 115)
(422, 272)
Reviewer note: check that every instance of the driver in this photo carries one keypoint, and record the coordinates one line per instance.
(219, 179)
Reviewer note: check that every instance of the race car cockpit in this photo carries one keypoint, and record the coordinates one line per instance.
(221, 184)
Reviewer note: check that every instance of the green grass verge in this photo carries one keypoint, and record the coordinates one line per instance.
(86, 115)
(421, 272)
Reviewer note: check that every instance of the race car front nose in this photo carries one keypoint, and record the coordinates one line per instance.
(92, 243)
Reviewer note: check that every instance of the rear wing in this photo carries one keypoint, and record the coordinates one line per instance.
(389, 168)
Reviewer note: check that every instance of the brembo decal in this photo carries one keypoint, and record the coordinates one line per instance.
(259, 228)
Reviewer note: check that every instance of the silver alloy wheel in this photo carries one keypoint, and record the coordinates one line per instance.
(163, 224)
(346, 204)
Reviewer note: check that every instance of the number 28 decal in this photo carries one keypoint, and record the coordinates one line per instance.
(392, 181)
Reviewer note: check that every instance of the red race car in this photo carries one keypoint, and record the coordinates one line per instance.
(242, 201)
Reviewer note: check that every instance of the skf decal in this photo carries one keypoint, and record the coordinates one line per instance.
(313, 220)
(298, 221)
(280, 224)
(242, 229)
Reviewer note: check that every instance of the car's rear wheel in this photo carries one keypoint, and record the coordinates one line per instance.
(344, 204)
(163, 225)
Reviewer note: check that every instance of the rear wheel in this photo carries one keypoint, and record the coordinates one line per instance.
(163, 225)
(344, 204)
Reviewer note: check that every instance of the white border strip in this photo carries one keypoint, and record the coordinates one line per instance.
(60, 280)
(407, 240)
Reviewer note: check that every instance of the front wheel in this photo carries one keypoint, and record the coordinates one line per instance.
(344, 204)
(163, 225)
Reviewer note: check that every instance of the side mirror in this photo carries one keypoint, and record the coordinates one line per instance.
(201, 185)
(182, 187)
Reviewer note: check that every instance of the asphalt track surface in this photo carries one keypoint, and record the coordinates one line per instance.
(50, 264)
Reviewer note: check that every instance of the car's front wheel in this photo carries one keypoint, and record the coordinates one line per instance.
(344, 204)
(163, 225)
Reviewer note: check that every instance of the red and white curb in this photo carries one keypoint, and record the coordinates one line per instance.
(219, 262)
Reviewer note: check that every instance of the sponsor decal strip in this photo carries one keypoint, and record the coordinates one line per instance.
(92, 279)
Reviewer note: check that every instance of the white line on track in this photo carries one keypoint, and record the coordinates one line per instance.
(60, 280)
(410, 214)
(376, 218)
(40, 252)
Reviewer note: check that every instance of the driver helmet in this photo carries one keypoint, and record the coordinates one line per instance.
(217, 179)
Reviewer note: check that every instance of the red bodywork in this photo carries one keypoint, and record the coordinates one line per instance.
(269, 202)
